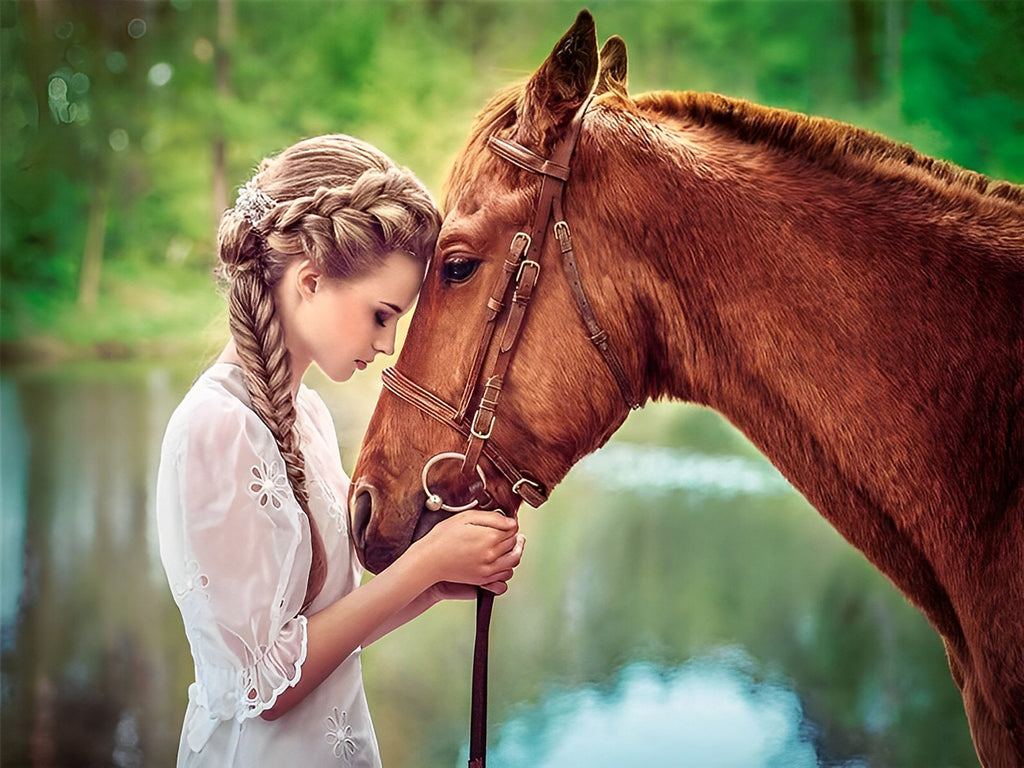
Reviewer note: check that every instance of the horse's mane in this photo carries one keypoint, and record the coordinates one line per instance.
(820, 140)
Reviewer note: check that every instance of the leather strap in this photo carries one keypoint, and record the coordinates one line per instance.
(527, 159)
(495, 303)
(598, 336)
(478, 709)
(531, 490)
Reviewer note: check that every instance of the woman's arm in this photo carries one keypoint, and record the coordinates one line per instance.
(445, 590)
(474, 548)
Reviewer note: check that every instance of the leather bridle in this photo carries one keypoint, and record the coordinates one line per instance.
(513, 287)
(490, 363)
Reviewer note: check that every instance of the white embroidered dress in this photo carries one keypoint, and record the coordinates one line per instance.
(236, 548)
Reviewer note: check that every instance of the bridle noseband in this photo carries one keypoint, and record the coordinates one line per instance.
(517, 280)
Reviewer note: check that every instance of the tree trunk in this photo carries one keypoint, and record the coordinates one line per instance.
(92, 253)
(865, 58)
(222, 66)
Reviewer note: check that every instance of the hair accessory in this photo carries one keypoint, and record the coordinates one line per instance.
(252, 203)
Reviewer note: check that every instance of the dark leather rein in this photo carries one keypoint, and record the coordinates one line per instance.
(518, 277)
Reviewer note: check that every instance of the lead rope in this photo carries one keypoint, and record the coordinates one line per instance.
(478, 711)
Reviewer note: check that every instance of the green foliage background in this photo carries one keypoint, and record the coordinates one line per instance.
(112, 116)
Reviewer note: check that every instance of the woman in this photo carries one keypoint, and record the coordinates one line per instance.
(324, 250)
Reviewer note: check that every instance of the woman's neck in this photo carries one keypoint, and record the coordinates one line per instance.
(230, 355)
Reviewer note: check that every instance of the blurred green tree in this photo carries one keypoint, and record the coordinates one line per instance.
(126, 124)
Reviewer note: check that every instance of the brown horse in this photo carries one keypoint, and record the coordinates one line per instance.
(854, 307)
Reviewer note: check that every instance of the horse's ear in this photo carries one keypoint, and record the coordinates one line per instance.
(612, 74)
(561, 85)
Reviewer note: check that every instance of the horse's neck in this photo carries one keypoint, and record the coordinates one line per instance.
(858, 343)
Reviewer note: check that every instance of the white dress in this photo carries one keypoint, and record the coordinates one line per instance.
(236, 548)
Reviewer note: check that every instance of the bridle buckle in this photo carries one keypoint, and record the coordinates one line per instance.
(522, 265)
(475, 431)
(518, 484)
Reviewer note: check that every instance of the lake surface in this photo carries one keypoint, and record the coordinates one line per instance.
(679, 605)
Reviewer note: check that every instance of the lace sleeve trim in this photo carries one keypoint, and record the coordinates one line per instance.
(256, 690)
(264, 681)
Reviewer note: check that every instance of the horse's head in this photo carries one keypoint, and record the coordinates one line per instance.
(500, 388)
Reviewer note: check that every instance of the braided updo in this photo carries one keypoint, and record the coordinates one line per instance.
(341, 203)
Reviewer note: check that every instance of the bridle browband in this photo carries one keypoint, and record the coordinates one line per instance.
(517, 278)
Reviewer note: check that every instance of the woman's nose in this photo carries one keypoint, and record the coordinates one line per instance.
(386, 343)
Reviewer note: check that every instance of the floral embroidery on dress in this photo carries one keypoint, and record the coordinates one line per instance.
(269, 484)
(339, 735)
(335, 509)
(192, 580)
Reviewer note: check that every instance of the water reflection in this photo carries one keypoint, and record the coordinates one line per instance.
(651, 469)
(14, 450)
(673, 542)
(92, 662)
(711, 711)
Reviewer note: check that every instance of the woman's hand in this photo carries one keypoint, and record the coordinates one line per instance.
(475, 548)
(450, 590)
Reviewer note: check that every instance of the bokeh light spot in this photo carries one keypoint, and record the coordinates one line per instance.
(80, 82)
(117, 62)
(202, 49)
(118, 139)
(58, 89)
(136, 28)
(160, 74)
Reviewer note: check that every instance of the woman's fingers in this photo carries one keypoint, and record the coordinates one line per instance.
(491, 519)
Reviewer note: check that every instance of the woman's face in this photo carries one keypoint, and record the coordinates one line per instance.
(342, 325)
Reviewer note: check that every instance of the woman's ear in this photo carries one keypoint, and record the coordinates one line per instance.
(307, 279)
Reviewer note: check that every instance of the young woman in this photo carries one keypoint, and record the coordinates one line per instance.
(324, 250)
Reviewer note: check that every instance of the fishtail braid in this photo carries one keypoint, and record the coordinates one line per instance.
(259, 338)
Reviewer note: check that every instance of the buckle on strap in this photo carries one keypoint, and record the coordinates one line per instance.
(475, 431)
(525, 240)
(522, 266)
(530, 491)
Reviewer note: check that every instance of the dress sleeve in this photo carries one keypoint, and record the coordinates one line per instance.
(238, 557)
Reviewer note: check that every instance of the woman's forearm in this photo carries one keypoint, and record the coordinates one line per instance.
(365, 614)
(473, 547)
(418, 605)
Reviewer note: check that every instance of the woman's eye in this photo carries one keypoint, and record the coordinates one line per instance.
(382, 319)
(458, 270)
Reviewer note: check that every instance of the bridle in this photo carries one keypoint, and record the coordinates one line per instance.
(513, 288)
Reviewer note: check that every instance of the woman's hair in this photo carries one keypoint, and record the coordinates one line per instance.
(341, 203)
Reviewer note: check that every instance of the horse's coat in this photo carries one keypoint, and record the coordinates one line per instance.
(854, 307)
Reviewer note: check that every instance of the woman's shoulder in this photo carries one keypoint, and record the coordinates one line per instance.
(216, 401)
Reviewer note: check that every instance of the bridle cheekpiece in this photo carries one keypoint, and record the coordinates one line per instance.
(518, 278)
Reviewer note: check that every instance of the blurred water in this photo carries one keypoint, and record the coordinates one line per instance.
(711, 710)
(679, 604)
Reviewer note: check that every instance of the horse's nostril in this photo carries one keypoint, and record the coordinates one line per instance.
(363, 506)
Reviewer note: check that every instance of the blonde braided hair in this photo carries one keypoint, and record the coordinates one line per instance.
(341, 203)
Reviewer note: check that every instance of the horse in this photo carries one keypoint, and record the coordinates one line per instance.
(852, 306)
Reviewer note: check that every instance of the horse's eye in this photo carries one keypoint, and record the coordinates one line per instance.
(458, 270)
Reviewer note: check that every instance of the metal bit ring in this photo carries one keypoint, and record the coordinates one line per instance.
(434, 501)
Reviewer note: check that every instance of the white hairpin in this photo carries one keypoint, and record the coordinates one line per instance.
(252, 203)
